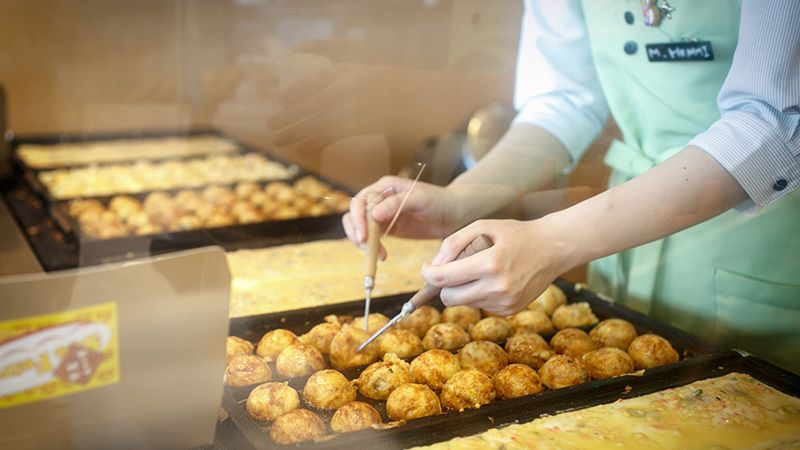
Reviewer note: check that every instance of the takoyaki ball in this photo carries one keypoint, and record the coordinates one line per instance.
(354, 416)
(464, 316)
(271, 400)
(447, 336)
(321, 336)
(485, 356)
(285, 212)
(188, 200)
(421, 320)
(562, 371)
(617, 333)
(246, 188)
(516, 380)
(218, 195)
(344, 344)
(236, 346)
(260, 198)
(219, 220)
(298, 360)
(249, 216)
(403, 343)
(124, 205)
(573, 316)
(607, 362)
(328, 389)
(533, 320)
(650, 350)
(299, 425)
(549, 300)
(78, 207)
(301, 203)
(280, 191)
(412, 401)
(318, 209)
(435, 367)
(467, 389)
(573, 342)
(186, 222)
(374, 322)
(148, 228)
(273, 342)
(137, 219)
(379, 379)
(494, 329)
(528, 348)
(241, 207)
(244, 370)
(160, 207)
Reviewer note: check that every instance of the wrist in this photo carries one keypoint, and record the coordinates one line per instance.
(556, 239)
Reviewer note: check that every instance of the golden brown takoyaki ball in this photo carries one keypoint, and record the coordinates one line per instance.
(160, 207)
(299, 425)
(218, 195)
(189, 200)
(412, 401)
(447, 336)
(549, 300)
(561, 371)
(260, 198)
(421, 320)
(236, 346)
(301, 203)
(318, 209)
(374, 322)
(516, 380)
(650, 350)
(344, 345)
(528, 348)
(285, 212)
(403, 343)
(271, 400)
(219, 220)
(186, 222)
(533, 320)
(607, 362)
(485, 356)
(573, 316)
(617, 333)
(78, 207)
(244, 370)
(298, 360)
(494, 329)
(245, 189)
(280, 191)
(435, 367)
(328, 389)
(273, 342)
(573, 342)
(379, 379)
(321, 336)
(137, 219)
(148, 228)
(464, 316)
(124, 205)
(354, 416)
(467, 389)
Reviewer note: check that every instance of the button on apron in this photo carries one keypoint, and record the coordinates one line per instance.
(629, 17)
(630, 47)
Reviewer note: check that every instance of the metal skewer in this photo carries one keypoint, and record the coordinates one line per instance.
(373, 246)
(428, 291)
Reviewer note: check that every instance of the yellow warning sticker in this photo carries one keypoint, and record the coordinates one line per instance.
(51, 355)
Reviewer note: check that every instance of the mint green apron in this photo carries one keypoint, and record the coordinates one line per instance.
(733, 280)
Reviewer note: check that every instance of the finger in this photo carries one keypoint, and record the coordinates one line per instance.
(358, 206)
(311, 83)
(460, 271)
(294, 112)
(382, 253)
(465, 294)
(458, 241)
(296, 132)
(347, 224)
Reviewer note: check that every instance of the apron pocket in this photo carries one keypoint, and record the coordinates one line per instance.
(759, 316)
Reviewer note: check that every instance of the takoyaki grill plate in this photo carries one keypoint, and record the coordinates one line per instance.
(697, 361)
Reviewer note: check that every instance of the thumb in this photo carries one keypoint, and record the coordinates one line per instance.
(458, 241)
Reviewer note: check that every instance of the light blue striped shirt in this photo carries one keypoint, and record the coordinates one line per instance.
(756, 139)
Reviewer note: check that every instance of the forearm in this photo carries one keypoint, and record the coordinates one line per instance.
(687, 189)
(527, 158)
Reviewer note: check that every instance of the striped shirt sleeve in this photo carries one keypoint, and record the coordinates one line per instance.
(557, 86)
(757, 138)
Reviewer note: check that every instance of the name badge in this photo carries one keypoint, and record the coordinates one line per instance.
(680, 51)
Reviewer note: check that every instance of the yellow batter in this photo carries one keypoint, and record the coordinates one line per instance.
(726, 413)
(320, 273)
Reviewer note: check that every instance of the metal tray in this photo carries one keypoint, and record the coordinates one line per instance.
(59, 244)
(694, 353)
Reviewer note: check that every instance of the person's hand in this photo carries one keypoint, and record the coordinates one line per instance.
(341, 101)
(524, 259)
(429, 212)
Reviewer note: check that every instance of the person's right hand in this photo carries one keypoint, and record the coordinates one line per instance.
(429, 212)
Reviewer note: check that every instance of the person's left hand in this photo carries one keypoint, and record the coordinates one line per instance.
(503, 279)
